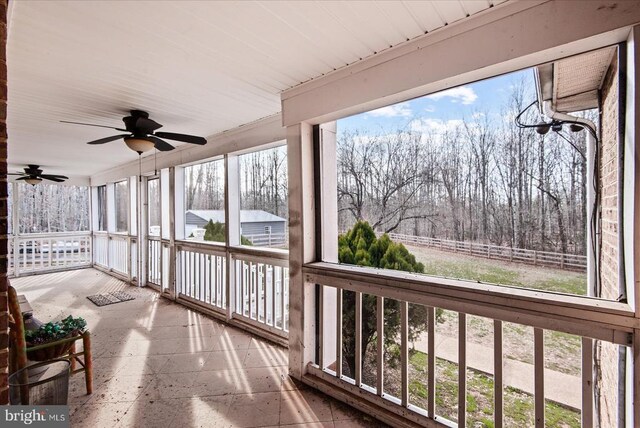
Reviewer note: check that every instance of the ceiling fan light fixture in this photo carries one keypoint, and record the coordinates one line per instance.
(33, 180)
(139, 145)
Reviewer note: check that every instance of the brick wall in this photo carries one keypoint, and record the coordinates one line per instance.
(4, 335)
(607, 353)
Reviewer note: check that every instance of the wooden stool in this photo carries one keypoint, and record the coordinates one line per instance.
(19, 349)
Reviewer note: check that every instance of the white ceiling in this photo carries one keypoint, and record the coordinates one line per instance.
(196, 67)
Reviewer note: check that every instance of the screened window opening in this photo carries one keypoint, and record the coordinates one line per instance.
(263, 198)
(121, 192)
(205, 202)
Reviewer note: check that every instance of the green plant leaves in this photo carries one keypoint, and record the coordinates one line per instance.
(52, 331)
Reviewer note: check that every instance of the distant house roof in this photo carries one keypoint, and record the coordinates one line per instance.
(246, 216)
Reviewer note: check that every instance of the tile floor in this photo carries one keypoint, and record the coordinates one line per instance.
(159, 364)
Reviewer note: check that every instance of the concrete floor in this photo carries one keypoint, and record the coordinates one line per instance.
(158, 363)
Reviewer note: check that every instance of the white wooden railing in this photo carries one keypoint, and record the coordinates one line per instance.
(101, 250)
(201, 276)
(116, 253)
(262, 291)
(521, 255)
(590, 319)
(255, 291)
(49, 252)
(154, 260)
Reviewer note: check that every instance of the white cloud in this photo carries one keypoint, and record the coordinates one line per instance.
(396, 110)
(430, 109)
(462, 94)
(434, 126)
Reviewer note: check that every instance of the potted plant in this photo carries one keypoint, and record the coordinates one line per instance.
(50, 333)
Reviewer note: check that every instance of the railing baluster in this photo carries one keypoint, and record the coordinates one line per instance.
(243, 283)
(320, 327)
(199, 277)
(24, 257)
(380, 344)
(156, 262)
(192, 280)
(286, 288)
(185, 270)
(204, 272)
(404, 357)
(213, 277)
(431, 361)
(258, 302)
(587, 382)
(498, 382)
(358, 334)
(196, 274)
(282, 300)
(252, 287)
(49, 259)
(462, 370)
(155, 273)
(215, 280)
(338, 333)
(273, 296)
(190, 270)
(538, 343)
(223, 283)
(206, 262)
(203, 277)
(220, 282)
(264, 293)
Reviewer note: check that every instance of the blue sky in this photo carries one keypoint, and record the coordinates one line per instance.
(438, 110)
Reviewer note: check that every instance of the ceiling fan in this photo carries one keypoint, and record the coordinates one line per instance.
(33, 175)
(141, 136)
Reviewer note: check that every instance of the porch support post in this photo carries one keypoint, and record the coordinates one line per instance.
(168, 179)
(631, 216)
(134, 185)
(329, 232)
(142, 207)
(302, 235)
(232, 225)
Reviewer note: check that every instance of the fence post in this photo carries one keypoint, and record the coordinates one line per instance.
(535, 258)
(562, 261)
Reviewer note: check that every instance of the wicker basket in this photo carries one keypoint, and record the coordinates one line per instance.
(51, 352)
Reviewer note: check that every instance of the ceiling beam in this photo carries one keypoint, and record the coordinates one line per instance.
(509, 37)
